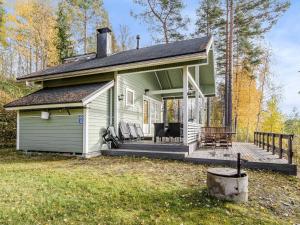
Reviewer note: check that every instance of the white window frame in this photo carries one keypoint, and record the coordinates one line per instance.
(133, 97)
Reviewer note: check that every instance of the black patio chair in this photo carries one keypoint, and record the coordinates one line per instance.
(111, 138)
(124, 131)
(174, 131)
(159, 131)
(139, 131)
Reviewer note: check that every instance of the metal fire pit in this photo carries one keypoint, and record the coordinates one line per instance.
(227, 183)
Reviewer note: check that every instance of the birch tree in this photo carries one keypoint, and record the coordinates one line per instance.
(32, 35)
(125, 39)
(2, 25)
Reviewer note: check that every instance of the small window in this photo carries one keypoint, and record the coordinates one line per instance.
(129, 97)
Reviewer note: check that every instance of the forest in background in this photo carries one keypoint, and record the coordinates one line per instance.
(38, 35)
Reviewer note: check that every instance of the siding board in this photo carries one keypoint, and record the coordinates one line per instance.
(99, 116)
(61, 133)
(138, 83)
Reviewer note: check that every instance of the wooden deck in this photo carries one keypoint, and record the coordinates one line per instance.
(254, 158)
(248, 152)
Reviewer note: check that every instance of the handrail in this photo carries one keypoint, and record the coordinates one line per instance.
(262, 139)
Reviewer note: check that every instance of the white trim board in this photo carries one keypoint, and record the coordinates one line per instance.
(50, 106)
(85, 131)
(116, 103)
(155, 62)
(194, 84)
(165, 91)
(126, 97)
(97, 93)
(18, 131)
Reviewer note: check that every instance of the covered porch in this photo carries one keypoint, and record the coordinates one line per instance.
(170, 96)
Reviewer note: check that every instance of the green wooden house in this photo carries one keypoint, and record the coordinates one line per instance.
(80, 98)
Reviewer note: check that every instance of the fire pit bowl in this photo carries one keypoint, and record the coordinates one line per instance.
(227, 184)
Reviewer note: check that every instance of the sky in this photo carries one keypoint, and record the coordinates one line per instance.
(283, 39)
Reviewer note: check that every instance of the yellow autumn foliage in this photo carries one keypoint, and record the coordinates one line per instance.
(246, 105)
(32, 28)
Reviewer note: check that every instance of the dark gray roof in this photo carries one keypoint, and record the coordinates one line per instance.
(174, 49)
(57, 95)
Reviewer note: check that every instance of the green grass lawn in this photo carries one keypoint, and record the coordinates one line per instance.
(49, 189)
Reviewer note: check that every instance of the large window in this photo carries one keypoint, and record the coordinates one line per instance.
(129, 97)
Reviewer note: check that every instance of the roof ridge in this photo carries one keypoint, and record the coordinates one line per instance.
(163, 44)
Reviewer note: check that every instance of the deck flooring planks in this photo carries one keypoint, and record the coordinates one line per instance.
(248, 151)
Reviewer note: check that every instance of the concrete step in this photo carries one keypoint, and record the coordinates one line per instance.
(145, 153)
(155, 147)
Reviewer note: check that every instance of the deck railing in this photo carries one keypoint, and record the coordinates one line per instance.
(193, 132)
(274, 142)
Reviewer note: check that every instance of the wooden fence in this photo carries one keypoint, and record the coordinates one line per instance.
(275, 142)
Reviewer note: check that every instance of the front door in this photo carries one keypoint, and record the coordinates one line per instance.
(152, 113)
(146, 117)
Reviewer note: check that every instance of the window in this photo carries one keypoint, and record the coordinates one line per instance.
(129, 97)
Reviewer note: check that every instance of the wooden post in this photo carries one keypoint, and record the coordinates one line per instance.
(116, 103)
(290, 149)
(273, 144)
(197, 78)
(255, 138)
(185, 105)
(165, 112)
(280, 146)
(259, 139)
(268, 142)
(263, 140)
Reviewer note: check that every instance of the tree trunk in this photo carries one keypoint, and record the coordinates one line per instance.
(226, 66)
(85, 31)
(249, 102)
(230, 67)
(166, 33)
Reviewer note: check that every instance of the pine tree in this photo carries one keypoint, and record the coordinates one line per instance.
(209, 18)
(86, 16)
(163, 17)
(63, 42)
(243, 24)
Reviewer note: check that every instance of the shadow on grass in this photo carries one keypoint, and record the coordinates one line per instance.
(9, 156)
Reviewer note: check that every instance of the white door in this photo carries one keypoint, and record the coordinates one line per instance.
(151, 114)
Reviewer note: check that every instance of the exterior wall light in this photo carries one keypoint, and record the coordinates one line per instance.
(121, 97)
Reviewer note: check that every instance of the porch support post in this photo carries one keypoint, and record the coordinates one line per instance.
(185, 105)
(116, 103)
(207, 111)
(197, 96)
(165, 112)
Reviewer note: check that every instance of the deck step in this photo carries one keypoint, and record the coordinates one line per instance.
(155, 147)
(145, 153)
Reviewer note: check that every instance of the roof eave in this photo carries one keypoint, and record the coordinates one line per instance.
(46, 106)
(116, 68)
(80, 103)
